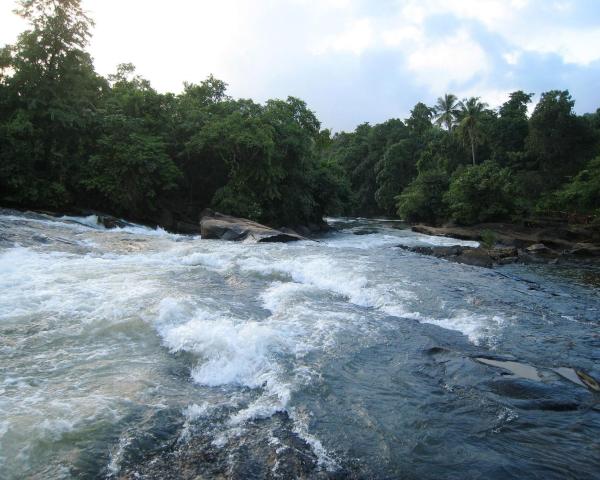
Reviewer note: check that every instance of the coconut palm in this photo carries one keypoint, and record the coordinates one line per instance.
(446, 110)
(470, 115)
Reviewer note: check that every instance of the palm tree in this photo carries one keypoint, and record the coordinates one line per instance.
(446, 110)
(470, 115)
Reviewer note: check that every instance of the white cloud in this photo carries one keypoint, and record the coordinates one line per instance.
(494, 97)
(333, 52)
(402, 35)
(448, 62)
(512, 58)
(581, 46)
(355, 38)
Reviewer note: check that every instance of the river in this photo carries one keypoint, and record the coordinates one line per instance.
(135, 353)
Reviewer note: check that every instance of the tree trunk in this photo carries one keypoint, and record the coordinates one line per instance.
(473, 149)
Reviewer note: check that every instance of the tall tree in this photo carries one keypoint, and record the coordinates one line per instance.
(559, 140)
(471, 114)
(53, 93)
(509, 131)
(447, 111)
(419, 122)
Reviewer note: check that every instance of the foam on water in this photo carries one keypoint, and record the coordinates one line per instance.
(233, 351)
(363, 242)
(74, 313)
(351, 281)
(477, 327)
(91, 221)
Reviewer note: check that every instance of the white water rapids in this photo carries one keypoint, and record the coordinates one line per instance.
(101, 329)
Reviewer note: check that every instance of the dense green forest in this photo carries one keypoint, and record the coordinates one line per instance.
(72, 138)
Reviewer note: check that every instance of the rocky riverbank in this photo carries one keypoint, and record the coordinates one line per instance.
(510, 243)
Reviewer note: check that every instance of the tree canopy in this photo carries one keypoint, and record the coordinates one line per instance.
(72, 138)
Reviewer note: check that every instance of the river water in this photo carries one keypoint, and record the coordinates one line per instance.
(135, 353)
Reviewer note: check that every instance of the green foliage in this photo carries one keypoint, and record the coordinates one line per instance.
(49, 97)
(395, 171)
(470, 119)
(488, 238)
(447, 111)
(559, 141)
(419, 122)
(581, 194)
(69, 137)
(423, 199)
(509, 132)
(480, 193)
(129, 170)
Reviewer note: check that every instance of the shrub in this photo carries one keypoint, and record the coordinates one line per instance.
(480, 193)
(423, 200)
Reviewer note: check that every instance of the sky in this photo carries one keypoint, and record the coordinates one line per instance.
(352, 61)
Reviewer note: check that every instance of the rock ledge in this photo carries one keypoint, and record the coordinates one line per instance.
(217, 226)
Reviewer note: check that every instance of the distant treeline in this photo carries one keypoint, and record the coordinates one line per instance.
(72, 138)
(461, 161)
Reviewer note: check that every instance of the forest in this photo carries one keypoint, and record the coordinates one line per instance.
(73, 139)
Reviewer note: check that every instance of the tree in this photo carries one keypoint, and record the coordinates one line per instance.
(396, 170)
(51, 96)
(480, 193)
(581, 194)
(423, 199)
(470, 117)
(419, 122)
(510, 130)
(447, 111)
(130, 168)
(559, 141)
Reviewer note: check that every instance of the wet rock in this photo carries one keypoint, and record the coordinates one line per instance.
(111, 222)
(518, 369)
(585, 250)
(301, 230)
(500, 253)
(529, 258)
(543, 238)
(214, 225)
(40, 238)
(541, 249)
(477, 257)
(443, 252)
(589, 381)
(507, 260)
(365, 231)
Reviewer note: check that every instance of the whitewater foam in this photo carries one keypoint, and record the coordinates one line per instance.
(478, 328)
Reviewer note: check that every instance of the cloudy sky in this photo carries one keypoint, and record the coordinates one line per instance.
(352, 60)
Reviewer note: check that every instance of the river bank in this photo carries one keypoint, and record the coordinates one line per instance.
(504, 243)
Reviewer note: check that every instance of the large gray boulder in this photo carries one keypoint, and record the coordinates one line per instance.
(214, 225)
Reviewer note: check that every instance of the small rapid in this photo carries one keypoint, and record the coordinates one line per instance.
(135, 353)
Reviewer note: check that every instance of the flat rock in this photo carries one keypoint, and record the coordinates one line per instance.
(541, 249)
(214, 225)
(548, 239)
(478, 257)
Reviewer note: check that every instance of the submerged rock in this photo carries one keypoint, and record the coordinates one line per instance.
(214, 225)
(111, 222)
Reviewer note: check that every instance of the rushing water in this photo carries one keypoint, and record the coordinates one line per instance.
(134, 353)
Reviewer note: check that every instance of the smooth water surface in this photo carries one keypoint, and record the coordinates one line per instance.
(135, 353)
